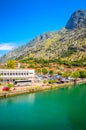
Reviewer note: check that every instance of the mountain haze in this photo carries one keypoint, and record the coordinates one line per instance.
(68, 44)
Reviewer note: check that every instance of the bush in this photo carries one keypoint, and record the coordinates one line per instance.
(76, 63)
(45, 81)
(50, 81)
(10, 85)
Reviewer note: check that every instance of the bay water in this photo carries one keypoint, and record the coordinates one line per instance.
(59, 109)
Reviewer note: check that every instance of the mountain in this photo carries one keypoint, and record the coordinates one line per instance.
(66, 45)
(77, 20)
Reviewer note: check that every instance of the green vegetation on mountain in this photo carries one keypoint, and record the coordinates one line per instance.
(67, 46)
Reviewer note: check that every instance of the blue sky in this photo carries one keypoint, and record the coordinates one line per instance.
(22, 20)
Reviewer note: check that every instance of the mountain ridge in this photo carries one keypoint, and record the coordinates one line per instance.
(66, 44)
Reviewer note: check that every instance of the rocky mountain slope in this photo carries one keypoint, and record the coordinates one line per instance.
(77, 20)
(68, 44)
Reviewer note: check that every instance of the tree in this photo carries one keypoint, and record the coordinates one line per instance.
(11, 64)
(66, 74)
(82, 74)
(59, 72)
(44, 71)
(38, 71)
(76, 74)
(51, 72)
(79, 74)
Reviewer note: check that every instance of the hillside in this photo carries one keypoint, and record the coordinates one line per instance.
(66, 46)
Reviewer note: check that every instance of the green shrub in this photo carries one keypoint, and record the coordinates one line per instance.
(52, 81)
(45, 81)
(10, 85)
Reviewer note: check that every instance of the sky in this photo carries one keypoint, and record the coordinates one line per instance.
(23, 20)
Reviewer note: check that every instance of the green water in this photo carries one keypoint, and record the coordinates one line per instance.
(63, 109)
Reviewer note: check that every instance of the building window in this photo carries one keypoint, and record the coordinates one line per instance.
(1, 74)
(4, 73)
(31, 73)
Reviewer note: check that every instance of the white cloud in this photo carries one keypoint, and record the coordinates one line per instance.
(6, 46)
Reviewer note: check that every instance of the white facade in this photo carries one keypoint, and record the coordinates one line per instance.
(16, 74)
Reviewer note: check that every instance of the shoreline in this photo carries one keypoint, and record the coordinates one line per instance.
(33, 89)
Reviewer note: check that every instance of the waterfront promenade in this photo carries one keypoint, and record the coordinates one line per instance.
(35, 88)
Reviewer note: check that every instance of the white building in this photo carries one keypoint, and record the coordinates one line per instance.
(13, 74)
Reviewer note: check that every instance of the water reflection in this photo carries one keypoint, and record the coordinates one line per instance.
(16, 100)
(31, 98)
